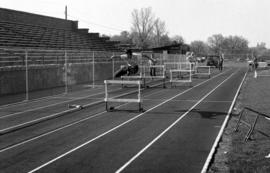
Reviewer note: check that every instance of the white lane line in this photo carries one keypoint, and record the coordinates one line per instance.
(168, 128)
(40, 119)
(28, 123)
(35, 121)
(24, 102)
(45, 134)
(8, 129)
(179, 100)
(68, 125)
(116, 127)
(54, 104)
(213, 149)
(28, 101)
(42, 107)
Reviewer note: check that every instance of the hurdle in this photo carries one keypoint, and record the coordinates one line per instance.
(207, 71)
(145, 74)
(179, 72)
(178, 66)
(182, 70)
(108, 99)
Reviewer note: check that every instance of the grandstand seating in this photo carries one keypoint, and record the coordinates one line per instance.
(17, 30)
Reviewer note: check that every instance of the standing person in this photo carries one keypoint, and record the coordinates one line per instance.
(152, 62)
(220, 62)
(190, 59)
(255, 61)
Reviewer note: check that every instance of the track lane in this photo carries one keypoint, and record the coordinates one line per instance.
(32, 115)
(26, 133)
(107, 153)
(185, 147)
(46, 100)
(43, 128)
(59, 123)
(70, 139)
(146, 120)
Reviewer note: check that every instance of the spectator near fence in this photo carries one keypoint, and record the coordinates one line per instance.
(191, 59)
(255, 61)
(152, 62)
(220, 62)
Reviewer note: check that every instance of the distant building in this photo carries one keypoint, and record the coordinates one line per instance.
(172, 49)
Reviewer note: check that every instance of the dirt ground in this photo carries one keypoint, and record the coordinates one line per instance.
(234, 154)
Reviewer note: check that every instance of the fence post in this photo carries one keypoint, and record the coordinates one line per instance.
(239, 120)
(93, 70)
(113, 67)
(252, 127)
(66, 76)
(26, 77)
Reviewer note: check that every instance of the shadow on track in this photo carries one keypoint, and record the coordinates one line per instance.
(204, 114)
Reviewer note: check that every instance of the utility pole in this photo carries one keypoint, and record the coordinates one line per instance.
(66, 12)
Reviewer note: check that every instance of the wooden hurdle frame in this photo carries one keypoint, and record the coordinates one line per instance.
(121, 82)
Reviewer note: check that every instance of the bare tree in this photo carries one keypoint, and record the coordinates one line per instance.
(216, 42)
(235, 45)
(232, 46)
(199, 47)
(159, 31)
(142, 26)
(178, 39)
(123, 38)
(260, 50)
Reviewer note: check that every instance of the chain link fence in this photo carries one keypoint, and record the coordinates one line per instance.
(34, 73)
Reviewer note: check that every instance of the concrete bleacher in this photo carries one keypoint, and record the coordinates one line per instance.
(26, 30)
(35, 19)
(46, 49)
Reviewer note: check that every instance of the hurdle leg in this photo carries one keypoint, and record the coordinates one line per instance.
(140, 107)
(144, 84)
(106, 106)
(164, 86)
(106, 95)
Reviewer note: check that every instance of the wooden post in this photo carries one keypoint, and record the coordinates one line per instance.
(26, 77)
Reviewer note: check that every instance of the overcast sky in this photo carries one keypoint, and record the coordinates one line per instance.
(192, 19)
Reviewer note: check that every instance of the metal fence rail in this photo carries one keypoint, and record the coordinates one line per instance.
(251, 125)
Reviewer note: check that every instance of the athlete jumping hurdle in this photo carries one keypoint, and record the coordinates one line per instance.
(132, 66)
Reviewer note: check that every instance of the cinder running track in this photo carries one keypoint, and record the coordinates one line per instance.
(175, 134)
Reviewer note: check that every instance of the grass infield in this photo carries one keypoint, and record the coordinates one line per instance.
(236, 155)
